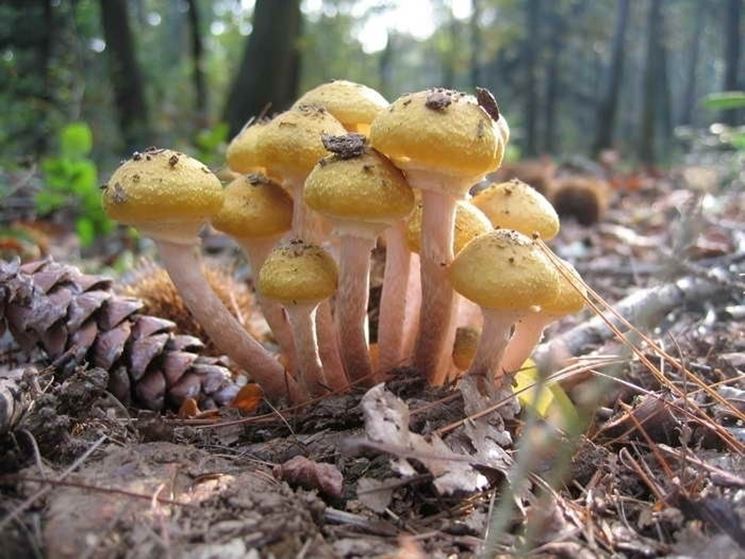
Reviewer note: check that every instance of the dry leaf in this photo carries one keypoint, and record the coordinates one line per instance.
(311, 475)
(374, 493)
(387, 422)
(248, 398)
(188, 409)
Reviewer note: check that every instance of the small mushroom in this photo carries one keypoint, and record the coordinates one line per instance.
(516, 205)
(301, 275)
(353, 104)
(444, 141)
(508, 276)
(241, 153)
(362, 194)
(570, 299)
(169, 197)
(256, 212)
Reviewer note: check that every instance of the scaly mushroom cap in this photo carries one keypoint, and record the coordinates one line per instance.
(298, 272)
(504, 270)
(353, 104)
(365, 187)
(290, 144)
(515, 205)
(439, 130)
(241, 153)
(569, 299)
(470, 222)
(254, 206)
(161, 185)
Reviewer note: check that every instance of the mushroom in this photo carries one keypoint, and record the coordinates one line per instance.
(301, 275)
(529, 329)
(470, 222)
(464, 346)
(241, 153)
(169, 197)
(516, 205)
(353, 104)
(444, 141)
(289, 146)
(361, 193)
(256, 212)
(507, 275)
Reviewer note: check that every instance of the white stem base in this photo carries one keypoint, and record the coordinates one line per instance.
(528, 332)
(494, 339)
(303, 321)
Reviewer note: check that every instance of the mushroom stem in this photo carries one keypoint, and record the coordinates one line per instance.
(328, 344)
(184, 267)
(528, 332)
(394, 299)
(256, 250)
(411, 310)
(351, 304)
(492, 344)
(299, 211)
(303, 320)
(438, 219)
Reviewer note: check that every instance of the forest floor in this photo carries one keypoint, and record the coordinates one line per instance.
(658, 472)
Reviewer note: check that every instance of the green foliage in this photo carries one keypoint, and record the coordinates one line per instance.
(71, 182)
(724, 101)
(209, 141)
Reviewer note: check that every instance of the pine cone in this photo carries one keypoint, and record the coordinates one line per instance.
(56, 308)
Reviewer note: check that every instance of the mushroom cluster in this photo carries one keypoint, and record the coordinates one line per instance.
(316, 189)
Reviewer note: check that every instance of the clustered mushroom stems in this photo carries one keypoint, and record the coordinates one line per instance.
(183, 264)
(351, 304)
(393, 300)
(256, 251)
(528, 333)
(495, 336)
(302, 317)
(438, 220)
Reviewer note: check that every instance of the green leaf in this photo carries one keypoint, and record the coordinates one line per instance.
(76, 140)
(86, 231)
(724, 101)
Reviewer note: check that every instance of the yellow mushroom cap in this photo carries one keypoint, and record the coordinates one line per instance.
(366, 187)
(353, 104)
(441, 131)
(569, 299)
(290, 144)
(464, 347)
(241, 153)
(504, 270)
(515, 205)
(254, 206)
(161, 185)
(470, 222)
(298, 272)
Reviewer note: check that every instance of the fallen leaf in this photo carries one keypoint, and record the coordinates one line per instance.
(374, 493)
(248, 398)
(306, 473)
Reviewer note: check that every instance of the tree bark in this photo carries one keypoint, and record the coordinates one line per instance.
(556, 44)
(197, 52)
(689, 95)
(531, 95)
(646, 152)
(732, 54)
(125, 73)
(609, 104)
(476, 44)
(267, 73)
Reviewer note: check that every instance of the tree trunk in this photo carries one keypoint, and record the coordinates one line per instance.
(552, 81)
(197, 51)
(126, 78)
(646, 150)
(476, 44)
(732, 54)
(664, 96)
(531, 95)
(609, 104)
(689, 95)
(270, 60)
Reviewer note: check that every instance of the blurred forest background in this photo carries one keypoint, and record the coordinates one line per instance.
(84, 82)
